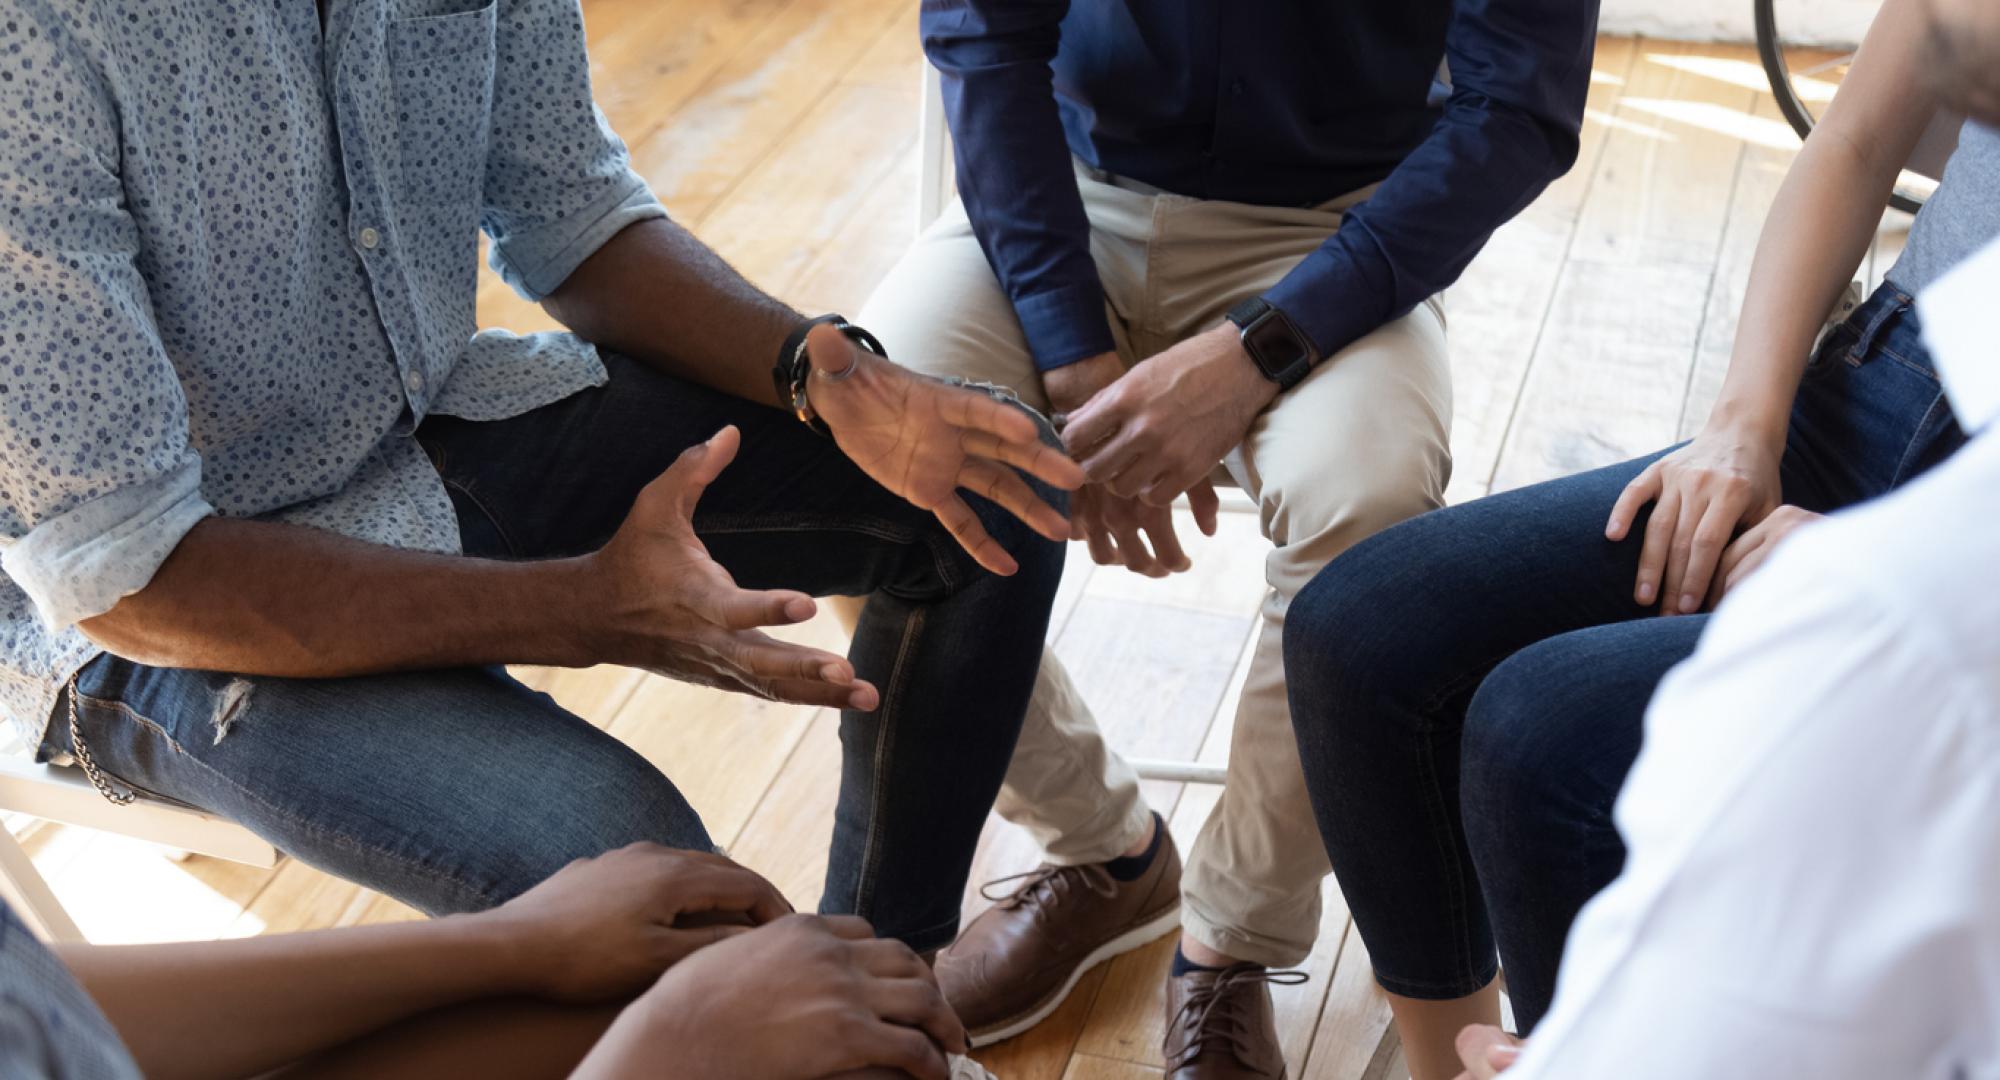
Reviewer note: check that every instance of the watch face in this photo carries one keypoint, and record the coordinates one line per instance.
(1275, 346)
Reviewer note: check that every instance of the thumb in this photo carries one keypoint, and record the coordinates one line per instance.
(699, 465)
(830, 350)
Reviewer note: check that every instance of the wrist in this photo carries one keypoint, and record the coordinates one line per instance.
(1068, 387)
(1255, 386)
(1748, 425)
(577, 608)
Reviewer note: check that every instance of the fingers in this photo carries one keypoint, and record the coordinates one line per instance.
(1643, 489)
(1680, 551)
(1121, 519)
(1159, 525)
(959, 520)
(1032, 455)
(861, 697)
(745, 609)
(916, 1003)
(905, 1048)
(693, 888)
(1098, 420)
(1653, 554)
(1206, 506)
(764, 657)
(1486, 1051)
(849, 927)
(1005, 489)
(1086, 516)
(1711, 536)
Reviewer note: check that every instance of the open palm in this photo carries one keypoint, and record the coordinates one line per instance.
(925, 439)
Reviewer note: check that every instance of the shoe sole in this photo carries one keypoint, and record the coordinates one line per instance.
(1145, 933)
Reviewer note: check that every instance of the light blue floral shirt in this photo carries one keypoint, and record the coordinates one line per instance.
(238, 255)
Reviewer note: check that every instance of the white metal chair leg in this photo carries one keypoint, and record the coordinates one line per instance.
(29, 894)
(1180, 772)
(933, 152)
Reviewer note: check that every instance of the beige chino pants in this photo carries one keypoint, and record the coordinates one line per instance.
(1359, 445)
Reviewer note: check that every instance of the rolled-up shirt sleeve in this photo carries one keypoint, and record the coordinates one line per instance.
(98, 481)
(559, 183)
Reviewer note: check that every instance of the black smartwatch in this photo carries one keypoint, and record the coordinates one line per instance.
(794, 367)
(1274, 342)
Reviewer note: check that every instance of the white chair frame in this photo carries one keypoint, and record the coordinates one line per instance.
(62, 795)
(934, 190)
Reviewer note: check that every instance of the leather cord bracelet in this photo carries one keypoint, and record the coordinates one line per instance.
(794, 367)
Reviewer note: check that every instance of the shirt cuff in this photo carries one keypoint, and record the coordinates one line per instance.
(1332, 297)
(82, 562)
(1065, 324)
(536, 263)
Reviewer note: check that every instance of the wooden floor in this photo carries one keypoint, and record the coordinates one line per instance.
(783, 131)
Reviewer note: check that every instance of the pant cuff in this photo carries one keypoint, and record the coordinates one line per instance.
(1431, 990)
(1240, 944)
(1086, 847)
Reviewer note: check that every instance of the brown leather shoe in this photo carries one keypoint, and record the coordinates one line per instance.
(1220, 1025)
(1016, 963)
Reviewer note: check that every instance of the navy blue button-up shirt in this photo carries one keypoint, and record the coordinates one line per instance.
(1276, 102)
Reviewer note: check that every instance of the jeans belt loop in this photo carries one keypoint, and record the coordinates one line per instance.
(1858, 354)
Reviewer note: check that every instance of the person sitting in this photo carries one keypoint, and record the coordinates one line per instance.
(1209, 231)
(1814, 822)
(644, 962)
(1468, 687)
(272, 515)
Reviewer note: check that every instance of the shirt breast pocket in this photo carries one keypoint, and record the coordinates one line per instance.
(441, 62)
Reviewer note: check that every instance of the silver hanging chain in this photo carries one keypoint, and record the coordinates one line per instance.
(81, 752)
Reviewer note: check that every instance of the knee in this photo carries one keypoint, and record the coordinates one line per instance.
(1524, 731)
(587, 817)
(1354, 640)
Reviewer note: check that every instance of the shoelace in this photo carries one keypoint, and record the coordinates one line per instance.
(1206, 1019)
(1050, 881)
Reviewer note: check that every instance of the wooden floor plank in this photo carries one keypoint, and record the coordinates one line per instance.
(1610, 373)
(1354, 1021)
(1496, 312)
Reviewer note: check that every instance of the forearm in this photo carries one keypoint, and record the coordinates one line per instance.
(656, 293)
(1822, 220)
(243, 1007)
(1815, 235)
(266, 599)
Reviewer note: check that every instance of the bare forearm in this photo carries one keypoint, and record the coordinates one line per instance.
(243, 1007)
(267, 599)
(656, 293)
(1820, 226)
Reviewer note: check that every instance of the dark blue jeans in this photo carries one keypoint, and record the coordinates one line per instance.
(455, 790)
(1468, 687)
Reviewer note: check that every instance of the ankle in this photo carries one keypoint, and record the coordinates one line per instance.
(1135, 862)
(1191, 955)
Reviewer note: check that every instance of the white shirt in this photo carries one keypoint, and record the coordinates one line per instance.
(1813, 885)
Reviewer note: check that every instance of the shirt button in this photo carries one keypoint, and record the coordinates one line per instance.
(414, 381)
(1236, 87)
(370, 239)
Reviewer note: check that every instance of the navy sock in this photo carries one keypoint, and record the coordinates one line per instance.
(1183, 965)
(1132, 867)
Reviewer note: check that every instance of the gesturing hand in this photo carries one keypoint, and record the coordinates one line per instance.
(606, 927)
(1486, 1052)
(672, 609)
(803, 998)
(1160, 429)
(924, 439)
(1702, 493)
